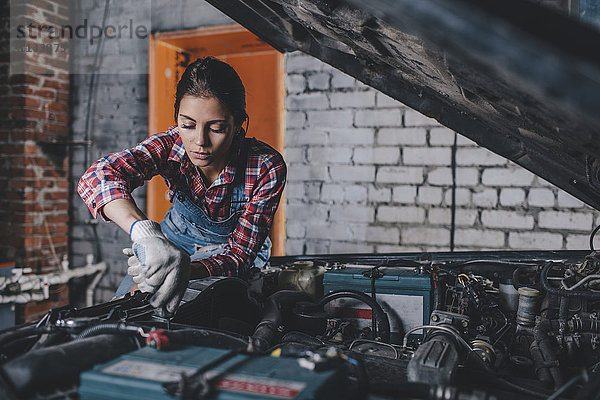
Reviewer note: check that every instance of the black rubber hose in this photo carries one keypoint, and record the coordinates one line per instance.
(517, 276)
(8, 337)
(563, 292)
(272, 319)
(540, 334)
(60, 366)
(541, 371)
(107, 327)
(382, 318)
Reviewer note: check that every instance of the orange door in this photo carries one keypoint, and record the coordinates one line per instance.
(261, 69)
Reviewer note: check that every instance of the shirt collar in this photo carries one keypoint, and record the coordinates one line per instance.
(178, 155)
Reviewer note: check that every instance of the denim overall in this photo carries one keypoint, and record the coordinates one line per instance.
(187, 226)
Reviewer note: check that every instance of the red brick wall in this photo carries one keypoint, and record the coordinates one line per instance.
(34, 135)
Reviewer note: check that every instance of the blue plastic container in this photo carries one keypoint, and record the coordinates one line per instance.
(141, 374)
(403, 293)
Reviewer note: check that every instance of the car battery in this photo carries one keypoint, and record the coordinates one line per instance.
(142, 374)
(403, 293)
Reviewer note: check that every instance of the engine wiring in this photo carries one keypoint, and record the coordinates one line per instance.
(534, 347)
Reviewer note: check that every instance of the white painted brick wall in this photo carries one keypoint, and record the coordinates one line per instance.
(352, 213)
(512, 197)
(429, 195)
(307, 101)
(506, 177)
(385, 101)
(431, 236)
(565, 200)
(478, 156)
(295, 83)
(300, 137)
(335, 231)
(379, 234)
(441, 136)
(329, 119)
(443, 216)
(443, 176)
(415, 118)
(339, 80)
(426, 156)
(355, 194)
(541, 197)
(295, 155)
(535, 240)
(479, 238)
(305, 173)
(400, 214)
(506, 219)
(404, 194)
(352, 173)
(368, 174)
(332, 192)
(376, 155)
(391, 117)
(351, 136)
(329, 155)
(565, 220)
(357, 100)
(378, 194)
(397, 136)
(400, 174)
(319, 81)
(463, 197)
(579, 242)
(485, 198)
(345, 247)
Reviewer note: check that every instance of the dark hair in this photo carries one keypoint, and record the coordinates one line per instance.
(210, 77)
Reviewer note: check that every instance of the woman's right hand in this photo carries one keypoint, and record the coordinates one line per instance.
(163, 268)
(134, 270)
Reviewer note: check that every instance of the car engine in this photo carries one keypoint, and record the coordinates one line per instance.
(437, 326)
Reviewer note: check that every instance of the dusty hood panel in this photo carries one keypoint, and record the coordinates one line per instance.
(517, 78)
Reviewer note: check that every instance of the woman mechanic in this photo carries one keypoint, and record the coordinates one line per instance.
(224, 188)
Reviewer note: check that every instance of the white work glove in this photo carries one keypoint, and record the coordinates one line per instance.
(135, 269)
(164, 268)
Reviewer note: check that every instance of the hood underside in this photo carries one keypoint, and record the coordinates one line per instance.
(517, 78)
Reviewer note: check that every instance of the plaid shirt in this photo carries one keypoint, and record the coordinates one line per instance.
(118, 174)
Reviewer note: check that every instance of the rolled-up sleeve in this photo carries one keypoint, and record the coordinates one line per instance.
(116, 175)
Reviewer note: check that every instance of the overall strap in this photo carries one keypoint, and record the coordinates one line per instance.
(238, 192)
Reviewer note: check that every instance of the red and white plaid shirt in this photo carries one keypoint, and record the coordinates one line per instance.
(118, 174)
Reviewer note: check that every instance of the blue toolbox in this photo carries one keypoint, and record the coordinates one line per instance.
(142, 374)
(403, 292)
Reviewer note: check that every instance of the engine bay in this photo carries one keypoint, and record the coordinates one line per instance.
(477, 326)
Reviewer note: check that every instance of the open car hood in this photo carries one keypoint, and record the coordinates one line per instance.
(517, 78)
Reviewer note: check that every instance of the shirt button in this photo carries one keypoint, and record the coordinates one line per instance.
(180, 196)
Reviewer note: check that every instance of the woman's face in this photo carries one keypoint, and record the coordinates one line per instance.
(207, 130)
